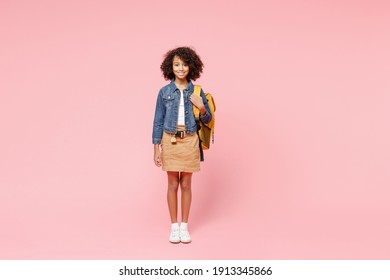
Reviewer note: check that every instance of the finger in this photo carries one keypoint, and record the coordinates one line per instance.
(193, 100)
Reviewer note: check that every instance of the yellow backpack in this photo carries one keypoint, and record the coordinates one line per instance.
(205, 131)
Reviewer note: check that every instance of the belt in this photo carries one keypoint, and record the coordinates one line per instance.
(180, 134)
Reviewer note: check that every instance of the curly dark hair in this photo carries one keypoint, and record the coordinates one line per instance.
(186, 54)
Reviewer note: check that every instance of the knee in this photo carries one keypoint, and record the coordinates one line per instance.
(185, 186)
(173, 186)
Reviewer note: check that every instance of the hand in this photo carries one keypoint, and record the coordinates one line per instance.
(198, 102)
(157, 157)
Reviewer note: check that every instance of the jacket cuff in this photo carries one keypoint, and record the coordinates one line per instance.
(204, 118)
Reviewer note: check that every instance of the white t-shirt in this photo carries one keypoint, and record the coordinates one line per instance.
(180, 119)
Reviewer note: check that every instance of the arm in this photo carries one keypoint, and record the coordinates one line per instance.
(158, 122)
(203, 106)
(157, 155)
(206, 114)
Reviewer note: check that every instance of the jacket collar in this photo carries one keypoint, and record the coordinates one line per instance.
(190, 87)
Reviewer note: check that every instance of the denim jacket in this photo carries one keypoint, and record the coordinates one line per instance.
(167, 110)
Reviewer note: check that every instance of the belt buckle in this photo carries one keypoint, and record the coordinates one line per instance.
(181, 134)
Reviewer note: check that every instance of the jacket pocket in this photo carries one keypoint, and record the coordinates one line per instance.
(169, 97)
(169, 100)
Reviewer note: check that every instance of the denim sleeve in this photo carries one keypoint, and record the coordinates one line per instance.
(158, 122)
(206, 118)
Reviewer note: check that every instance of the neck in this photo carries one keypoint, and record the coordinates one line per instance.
(181, 83)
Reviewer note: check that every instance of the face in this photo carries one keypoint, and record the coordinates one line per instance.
(180, 68)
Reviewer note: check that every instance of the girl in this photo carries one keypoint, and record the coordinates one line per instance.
(175, 139)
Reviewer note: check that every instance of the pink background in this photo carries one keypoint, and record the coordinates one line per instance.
(300, 168)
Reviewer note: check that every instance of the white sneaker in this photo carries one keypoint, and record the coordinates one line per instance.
(174, 237)
(185, 236)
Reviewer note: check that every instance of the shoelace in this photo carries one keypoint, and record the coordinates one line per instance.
(185, 233)
(175, 233)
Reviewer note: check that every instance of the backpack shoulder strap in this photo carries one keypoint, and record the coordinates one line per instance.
(197, 89)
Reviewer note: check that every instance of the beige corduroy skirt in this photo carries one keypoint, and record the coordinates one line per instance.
(182, 156)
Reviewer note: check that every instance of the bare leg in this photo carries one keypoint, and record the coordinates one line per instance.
(186, 195)
(173, 184)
